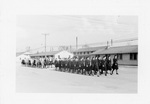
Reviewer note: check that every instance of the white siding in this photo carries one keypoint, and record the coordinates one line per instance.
(64, 54)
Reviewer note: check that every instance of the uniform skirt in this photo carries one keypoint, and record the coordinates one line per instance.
(115, 66)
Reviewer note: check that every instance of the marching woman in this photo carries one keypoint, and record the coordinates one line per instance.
(69, 65)
(23, 62)
(72, 65)
(86, 66)
(77, 66)
(104, 68)
(93, 66)
(56, 64)
(34, 63)
(108, 64)
(115, 65)
(102, 65)
(59, 64)
(99, 60)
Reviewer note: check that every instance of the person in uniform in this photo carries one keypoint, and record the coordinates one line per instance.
(103, 64)
(34, 63)
(63, 65)
(77, 65)
(88, 66)
(26, 62)
(69, 65)
(99, 66)
(50, 62)
(74, 65)
(65, 62)
(39, 62)
(42, 61)
(60, 64)
(23, 62)
(56, 64)
(84, 66)
(91, 70)
(93, 66)
(45, 62)
(115, 65)
(108, 64)
(29, 62)
(80, 66)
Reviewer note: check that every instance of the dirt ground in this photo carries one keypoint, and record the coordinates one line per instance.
(35, 80)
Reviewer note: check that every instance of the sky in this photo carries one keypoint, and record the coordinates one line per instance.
(63, 29)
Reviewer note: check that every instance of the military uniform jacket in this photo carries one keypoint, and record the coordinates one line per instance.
(103, 64)
(80, 63)
(115, 64)
(86, 63)
(108, 62)
(56, 63)
(72, 64)
(100, 63)
(97, 63)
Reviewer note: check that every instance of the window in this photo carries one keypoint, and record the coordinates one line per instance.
(133, 56)
(87, 52)
(84, 52)
(80, 52)
(119, 56)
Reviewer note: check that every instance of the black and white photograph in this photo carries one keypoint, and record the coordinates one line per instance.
(74, 52)
(77, 54)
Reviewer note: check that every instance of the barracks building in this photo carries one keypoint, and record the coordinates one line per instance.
(127, 55)
(53, 54)
(86, 52)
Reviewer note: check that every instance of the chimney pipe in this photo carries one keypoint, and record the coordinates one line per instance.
(111, 42)
(76, 43)
(107, 43)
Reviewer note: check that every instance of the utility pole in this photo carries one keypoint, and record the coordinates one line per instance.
(45, 34)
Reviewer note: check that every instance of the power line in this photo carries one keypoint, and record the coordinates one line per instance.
(36, 48)
(125, 40)
(91, 44)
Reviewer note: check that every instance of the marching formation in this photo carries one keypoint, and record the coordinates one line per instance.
(86, 66)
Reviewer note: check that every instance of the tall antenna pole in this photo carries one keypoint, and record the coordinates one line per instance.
(45, 41)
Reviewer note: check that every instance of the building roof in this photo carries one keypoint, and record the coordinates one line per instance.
(120, 49)
(19, 53)
(45, 53)
(25, 53)
(89, 49)
(28, 53)
(84, 55)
